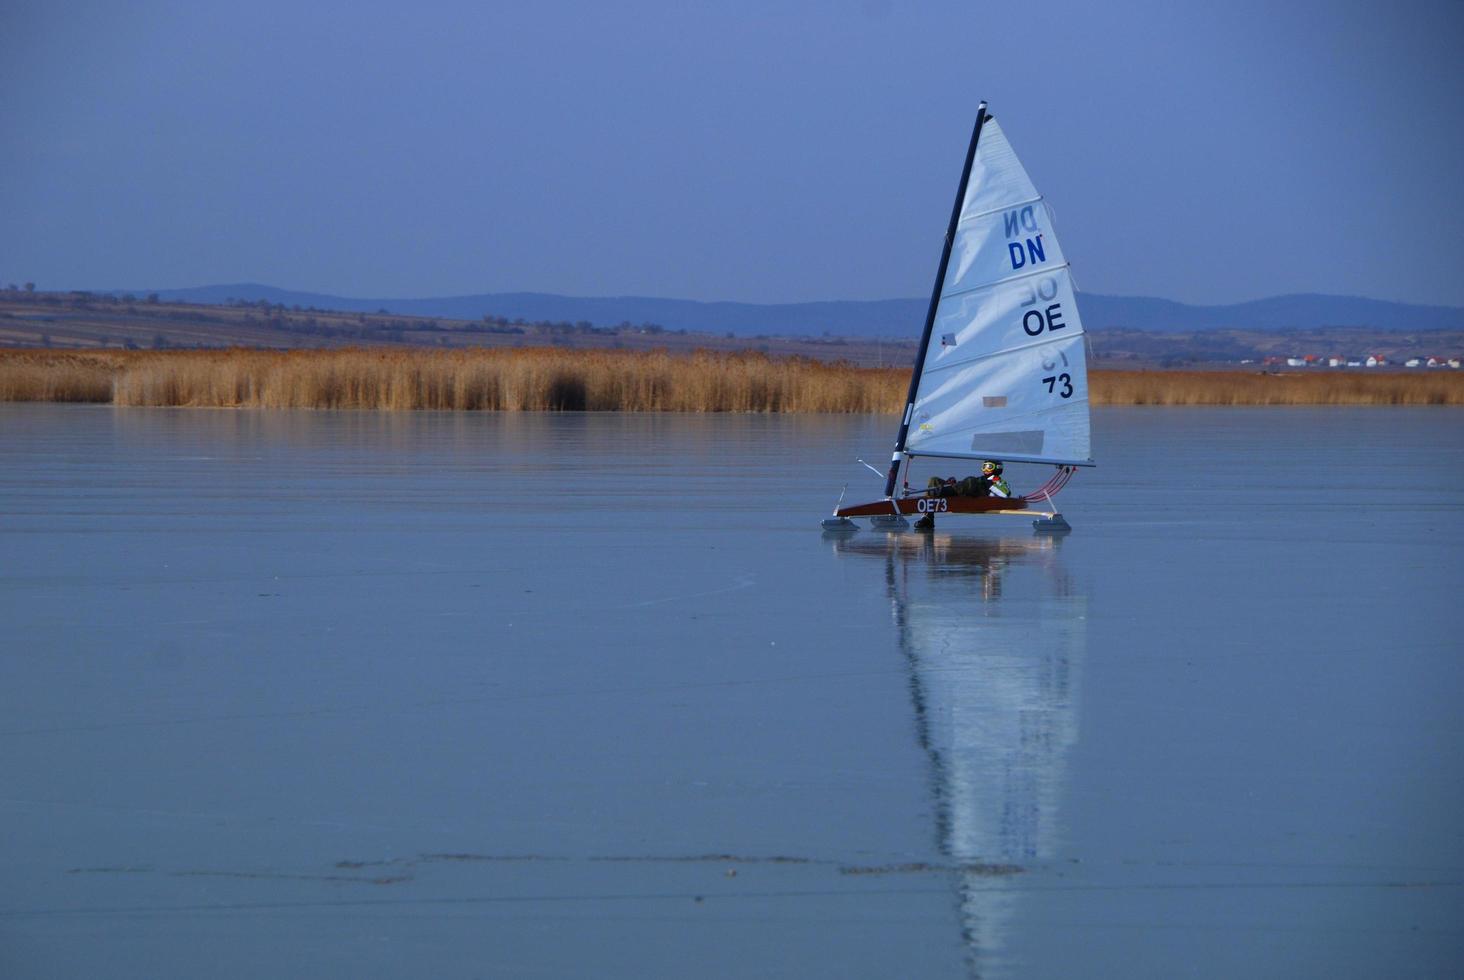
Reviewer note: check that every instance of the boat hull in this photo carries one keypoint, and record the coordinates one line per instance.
(918, 506)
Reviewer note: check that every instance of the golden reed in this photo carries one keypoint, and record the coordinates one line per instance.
(1313, 386)
(553, 379)
(520, 379)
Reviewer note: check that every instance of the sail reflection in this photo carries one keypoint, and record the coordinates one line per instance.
(993, 633)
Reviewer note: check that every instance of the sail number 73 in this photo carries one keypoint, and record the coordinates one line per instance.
(1065, 380)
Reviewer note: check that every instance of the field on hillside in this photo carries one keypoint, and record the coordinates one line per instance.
(552, 379)
(96, 321)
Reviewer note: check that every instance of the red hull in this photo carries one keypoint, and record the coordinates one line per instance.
(917, 506)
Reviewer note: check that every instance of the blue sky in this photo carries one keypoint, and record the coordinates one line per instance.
(763, 152)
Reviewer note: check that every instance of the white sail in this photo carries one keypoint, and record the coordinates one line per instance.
(1005, 374)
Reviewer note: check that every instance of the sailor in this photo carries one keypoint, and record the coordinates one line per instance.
(940, 486)
(935, 487)
(989, 483)
(949, 486)
(991, 476)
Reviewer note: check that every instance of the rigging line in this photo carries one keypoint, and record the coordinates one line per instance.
(1002, 282)
(1053, 485)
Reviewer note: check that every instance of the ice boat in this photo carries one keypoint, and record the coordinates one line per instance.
(1001, 372)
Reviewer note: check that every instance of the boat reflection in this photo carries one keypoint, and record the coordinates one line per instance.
(993, 632)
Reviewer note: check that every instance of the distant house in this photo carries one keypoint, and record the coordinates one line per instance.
(1412, 362)
(1453, 362)
(1435, 362)
(1295, 362)
(1336, 362)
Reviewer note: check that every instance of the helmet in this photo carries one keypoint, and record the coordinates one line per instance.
(991, 467)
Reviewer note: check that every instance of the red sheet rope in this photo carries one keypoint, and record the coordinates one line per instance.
(1054, 483)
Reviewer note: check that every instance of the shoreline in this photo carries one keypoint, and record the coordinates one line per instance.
(556, 379)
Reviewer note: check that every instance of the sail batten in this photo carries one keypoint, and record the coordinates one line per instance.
(1000, 282)
(949, 363)
(1004, 207)
(1003, 373)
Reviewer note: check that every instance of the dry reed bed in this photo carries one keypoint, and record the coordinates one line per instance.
(1311, 387)
(550, 379)
(524, 379)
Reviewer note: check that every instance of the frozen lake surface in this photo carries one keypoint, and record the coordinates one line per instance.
(347, 695)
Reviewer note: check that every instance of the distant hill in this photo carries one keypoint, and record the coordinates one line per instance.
(80, 319)
(894, 318)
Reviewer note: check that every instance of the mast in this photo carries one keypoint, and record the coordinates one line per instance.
(945, 259)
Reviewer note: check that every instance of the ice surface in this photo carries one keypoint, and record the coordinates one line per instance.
(334, 694)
